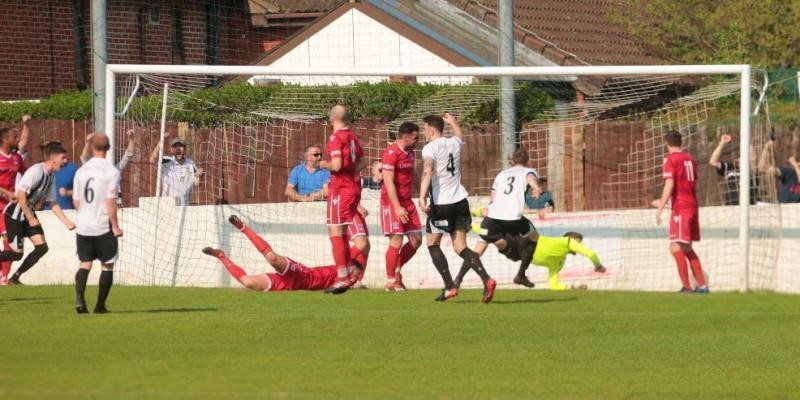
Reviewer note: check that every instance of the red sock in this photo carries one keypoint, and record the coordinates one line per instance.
(697, 269)
(261, 244)
(232, 268)
(341, 255)
(5, 266)
(406, 252)
(360, 257)
(392, 256)
(683, 269)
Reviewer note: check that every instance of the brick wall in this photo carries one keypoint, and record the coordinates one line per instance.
(38, 39)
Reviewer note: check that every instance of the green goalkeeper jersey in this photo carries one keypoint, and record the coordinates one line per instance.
(551, 252)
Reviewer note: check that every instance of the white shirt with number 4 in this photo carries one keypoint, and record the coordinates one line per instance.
(446, 185)
(96, 181)
(509, 193)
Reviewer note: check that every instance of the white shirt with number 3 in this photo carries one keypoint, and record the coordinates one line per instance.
(509, 193)
(95, 182)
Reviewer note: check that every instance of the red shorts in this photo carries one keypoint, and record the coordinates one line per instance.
(684, 226)
(342, 208)
(391, 224)
(357, 227)
(299, 277)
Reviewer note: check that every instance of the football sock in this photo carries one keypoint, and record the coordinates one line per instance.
(5, 268)
(462, 272)
(440, 262)
(697, 269)
(357, 255)
(232, 268)
(683, 269)
(80, 285)
(38, 251)
(340, 255)
(406, 252)
(526, 255)
(5, 262)
(106, 280)
(260, 244)
(392, 256)
(473, 259)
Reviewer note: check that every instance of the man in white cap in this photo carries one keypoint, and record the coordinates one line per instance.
(179, 174)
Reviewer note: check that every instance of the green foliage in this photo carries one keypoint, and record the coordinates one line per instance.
(238, 101)
(762, 33)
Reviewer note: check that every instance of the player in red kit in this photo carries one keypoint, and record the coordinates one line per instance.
(11, 165)
(680, 182)
(398, 213)
(289, 274)
(345, 160)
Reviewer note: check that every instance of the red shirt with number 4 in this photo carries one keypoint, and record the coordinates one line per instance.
(682, 169)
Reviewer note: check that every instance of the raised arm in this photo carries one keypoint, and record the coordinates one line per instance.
(22, 144)
(86, 154)
(453, 122)
(766, 162)
(128, 155)
(533, 182)
(714, 161)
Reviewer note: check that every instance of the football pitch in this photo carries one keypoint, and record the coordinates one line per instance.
(191, 343)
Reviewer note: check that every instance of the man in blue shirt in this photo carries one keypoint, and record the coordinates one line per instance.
(63, 184)
(789, 189)
(307, 181)
(544, 203)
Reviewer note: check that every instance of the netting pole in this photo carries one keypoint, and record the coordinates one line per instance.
(108, 112)
(158, 174)
(744, 180)
(99, 56)
(505, 35)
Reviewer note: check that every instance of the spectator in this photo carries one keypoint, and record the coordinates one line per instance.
(375, 180)
(307, 181)
(729, 169)
(63, 182)
(126, 157)
(179, 174)
(789, 191)
(544, 203)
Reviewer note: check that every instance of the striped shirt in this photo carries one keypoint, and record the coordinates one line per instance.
(39, 185)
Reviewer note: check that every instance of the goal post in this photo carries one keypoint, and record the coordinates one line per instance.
(742, 71)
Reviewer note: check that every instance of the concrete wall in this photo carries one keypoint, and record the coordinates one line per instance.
(162, 246)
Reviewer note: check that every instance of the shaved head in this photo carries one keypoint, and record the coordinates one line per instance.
(338, 114)
(99, 142)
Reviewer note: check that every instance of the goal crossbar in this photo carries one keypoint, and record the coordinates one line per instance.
(519, 72)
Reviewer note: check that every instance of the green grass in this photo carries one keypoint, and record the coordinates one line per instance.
(163, 343)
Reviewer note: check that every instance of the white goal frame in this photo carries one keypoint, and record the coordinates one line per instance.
(738, 69)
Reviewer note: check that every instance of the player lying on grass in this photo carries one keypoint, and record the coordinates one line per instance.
(548, 252)
(289, 274)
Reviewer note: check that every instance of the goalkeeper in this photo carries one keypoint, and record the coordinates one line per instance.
(548, 252)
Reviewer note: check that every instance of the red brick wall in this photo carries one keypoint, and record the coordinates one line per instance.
(37, 40)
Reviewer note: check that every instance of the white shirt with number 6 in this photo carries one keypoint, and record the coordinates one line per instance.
(95, 182)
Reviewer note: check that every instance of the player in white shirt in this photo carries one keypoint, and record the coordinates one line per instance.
(36, 186)
(505, 218)
(179, 174)
(96, 188)
(448, 211)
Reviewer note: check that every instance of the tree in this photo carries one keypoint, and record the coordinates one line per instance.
(759, 32)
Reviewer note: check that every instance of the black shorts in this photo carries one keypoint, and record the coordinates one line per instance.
(102, 248)
(493, 230)
(17, 231)
(449, 218)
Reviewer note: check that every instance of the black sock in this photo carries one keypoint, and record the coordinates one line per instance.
(80, 285)
(106, 280)
(31, 260)
(440, 262)
(465, 267)
(527, 248)
(471, 258)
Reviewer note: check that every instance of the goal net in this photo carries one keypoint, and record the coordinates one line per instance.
(596, 139)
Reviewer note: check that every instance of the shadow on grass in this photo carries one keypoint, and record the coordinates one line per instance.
(168, 310)
(19, 299)
(520, 301)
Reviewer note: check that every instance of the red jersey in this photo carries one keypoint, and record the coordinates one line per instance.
(300, 277)
(682, 169)
(402, 163)
(345, 144)
(10, 166)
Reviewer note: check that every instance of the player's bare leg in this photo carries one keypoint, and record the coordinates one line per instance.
(39, 250)
(472, 259)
